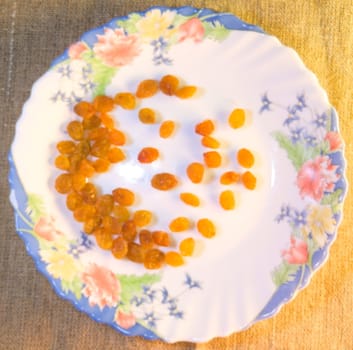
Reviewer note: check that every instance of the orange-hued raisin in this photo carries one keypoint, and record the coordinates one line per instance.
(245, 158)
(205, 128)
(249, 180)
(206, 228)
(103, 104)
(147, 115)
(115, 155)
(179, 224)
(166, 129)
(91, 224)
(229, 177)
(164, 181)
(105, 204)
(161, 238)
(128, 230)
(62, 162)
(73, 201)
(142, 217)
(63, 183)
(135, 253)
(125, 100)
(86, 168)
(227, 200)
(145, 239)
(121, 213)
(186, 92)
(147, 88)
(169, 84)
(89, 193)
(174, 259)
(195, 172)
(154, 259)
(117, 137)
(116, 226)
(66, 147)
(123, 196)
(210, 142)
(84, 109)
(101, 165)
(96, 134)
(107, 121)
(107, 222)
(75, 162)
(187, 246)
(78, 181)
(190, 199)
(212, 159)
(75, 130)
(148, 155)
(236, 118)
(100, 148)
(119, 248)
(104, 238)
(91, 123)
(83, 212)
(83, 148)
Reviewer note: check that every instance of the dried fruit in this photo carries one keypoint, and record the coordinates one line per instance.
(164, 181)
(212, 159)
(145, 239)
(91, 224)
(107, 121)
(115, 155)
(66, 147)
(227, 200)
(206, 228)
(62, 162)
(91, 123)
(142, 217)
(96, 134)
(166, 129)
(123, 196)
(187, 246)
(121, 213)
(129, 231)
(154, 259)
(63, 183)
(179, 224)
(236, 118)
(174, 259)
(186, 92)
(210, 142)
(135, 253)
(229, 177)
(73, 201)
(89, 193)
(103, 104)
(100, 148)
(195, 172)
(101, 165)
(78, 181)
(245, 158)
(147, 88)
(84, 109)
(125, 100)
(117, 137)
(86, 168)
(205, 128)
(169, 84)
(119, 248)
(190, 199)
(148, 155)
(82, 149)
(147, 115)
(104, 238)
(161, 238)
(105, 204)
(75, 130)
(249, 180)
(83, 212)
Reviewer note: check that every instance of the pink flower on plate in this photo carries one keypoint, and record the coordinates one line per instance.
(297, 252)
(334, 140)
(316, 177)
(192, 29)
(115, 48)
(125, 320)
(76, 50)
(102, 287)
(45, 228)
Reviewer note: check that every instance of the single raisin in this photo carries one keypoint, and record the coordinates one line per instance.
(187, 246)
(166, 129)
(249, 180)
(135, 253)
(100, 148)
(125, 100)
(103, 104)
(78, 181)
(75, 130)
(115, 155)
(104, 238)
(119, 248)
(105, 204)
(123, 196)
(205, 128)
(236, 118)
(101, 165)
(245, 158)
(179, 224)
(146, 239)
(147, 115)
(84, 109)
(91, 224)
(121, 213)
(186, 92)
(161, 238)
(195, 172)
(91, 123)
(66, 147)
(148, 155)
(174, 259)
(83, 212)
(227, 200)
(169, 85)
(117, 137)
(89, 193)
(206, 228)
(154, 259)
(164, 181)
(63, 183)
(212, 159)
(229, 177)
(190, 199)
(147, 88)
(210, 142)
(129, 231)
(142, 217)
(62, 162)
(73, 201)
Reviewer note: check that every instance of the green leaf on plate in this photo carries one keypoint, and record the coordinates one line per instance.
(215, 31)
(129, 25)
(284, 273)
(35, 207)
(333, 199)
(74, 286)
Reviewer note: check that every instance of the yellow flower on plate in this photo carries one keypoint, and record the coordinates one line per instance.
(320, 222)
(60, 264)
(155, 24)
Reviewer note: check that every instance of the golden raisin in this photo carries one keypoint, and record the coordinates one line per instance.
(236, 118)
(116, 226)
(206, 228)
(210, 142)
(117, 137)
(78, 181)
(145, 239)
(104, 238)
(166, 129)
(107, 121)
(115, 155)
(249, 180)
(147, 88)
(195, 172)
(190, 199)
(83, 148)
(147, 115)
(142, 217)
(103, 104)
(229, 177)
(98, 134)
(86, 168)
(75, 162)
(83, 212)
(125, 100)
(128, 230)
(121, 213)
(84, 109)
(187, 246)
(212, 159)
(204, 128)
(179, 224)
(89, 193)
(119, 248)
(66, 147)
(107, 222)
(63, 183)
(100, 148)
(105, 204)
(174, 259)
(154, 259)
(73, 201)
(227, 200)
(135, 253)
(169, 84)
(123, 196)
(91, 224)
(62, 162)
(164, 181)
(101, 165)
(245, 158)
(148, 155)
(161, 238)
(91, 123)
(75, 130)
(186, 92)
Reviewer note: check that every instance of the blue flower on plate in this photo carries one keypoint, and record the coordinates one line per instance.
(266, 103)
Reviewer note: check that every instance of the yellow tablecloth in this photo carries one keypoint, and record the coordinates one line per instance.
(32, 33)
